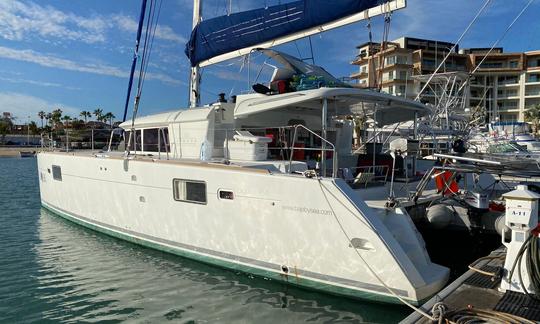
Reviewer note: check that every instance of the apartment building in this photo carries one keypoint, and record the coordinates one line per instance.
(506, 84)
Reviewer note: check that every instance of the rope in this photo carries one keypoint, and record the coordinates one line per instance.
(497, 42)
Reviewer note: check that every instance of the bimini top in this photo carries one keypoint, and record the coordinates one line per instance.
(384, 108)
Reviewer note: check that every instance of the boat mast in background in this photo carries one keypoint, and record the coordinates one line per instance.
(195, 78)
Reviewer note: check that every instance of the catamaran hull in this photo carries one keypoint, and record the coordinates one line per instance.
(311, 233)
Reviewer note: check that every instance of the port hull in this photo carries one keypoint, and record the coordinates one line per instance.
(290, 234)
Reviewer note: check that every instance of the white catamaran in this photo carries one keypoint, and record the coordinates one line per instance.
(234, 183)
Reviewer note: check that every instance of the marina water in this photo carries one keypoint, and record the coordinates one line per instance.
(54, 271)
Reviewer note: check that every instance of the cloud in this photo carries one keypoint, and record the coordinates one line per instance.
(26, 20)
(128, 24)
(39, 83)
(23, 106)
(52, 61)
(20, 20)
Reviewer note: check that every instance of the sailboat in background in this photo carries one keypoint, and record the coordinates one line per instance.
(235, 183)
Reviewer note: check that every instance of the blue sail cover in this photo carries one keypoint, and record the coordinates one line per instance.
(225, 34)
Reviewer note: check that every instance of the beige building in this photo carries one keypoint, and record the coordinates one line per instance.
(506, 83)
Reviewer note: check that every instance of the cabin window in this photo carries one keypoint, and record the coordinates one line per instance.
(150, 140)
(226, 194)
(189, 191)
(135, 144)
(156, 140)
(57, 172)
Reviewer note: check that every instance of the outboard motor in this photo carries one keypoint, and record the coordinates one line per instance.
(477, 205)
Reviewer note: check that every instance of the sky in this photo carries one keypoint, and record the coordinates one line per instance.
(76, 54)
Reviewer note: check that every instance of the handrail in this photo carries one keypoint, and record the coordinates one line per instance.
(333, 150)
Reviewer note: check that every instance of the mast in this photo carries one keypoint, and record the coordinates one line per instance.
(195, 78)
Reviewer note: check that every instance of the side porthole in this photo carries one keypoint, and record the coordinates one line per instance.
(225, 194)
(57, 172)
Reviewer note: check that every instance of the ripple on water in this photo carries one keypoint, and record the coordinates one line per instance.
(53, 270)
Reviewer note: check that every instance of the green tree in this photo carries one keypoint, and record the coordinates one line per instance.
(532, 115)
(34, 129)
(48, 119)
(98, 113)
(66, 120)
(85, 114)
(110, 117)
(5, 127)
(56, 116)
(41, 115)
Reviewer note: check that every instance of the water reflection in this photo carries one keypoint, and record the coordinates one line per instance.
(84, 275)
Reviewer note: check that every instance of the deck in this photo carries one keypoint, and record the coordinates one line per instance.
(478, 292)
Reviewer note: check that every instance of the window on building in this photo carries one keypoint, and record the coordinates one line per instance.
(402, 89)
(402, 59)
(513, 64)
(533, 78)
(189, 191)
(391, 75)
(403, 75)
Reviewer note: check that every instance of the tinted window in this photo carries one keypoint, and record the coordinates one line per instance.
(135, 143)
(57, 172)
(189, 191)
(150, 140)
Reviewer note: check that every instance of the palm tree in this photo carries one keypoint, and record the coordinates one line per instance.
(109, 116)
(85, 114)
(48, 119)
(532, 115)
(98, 113)
(41, 115)
(66, 120)
(56, 116)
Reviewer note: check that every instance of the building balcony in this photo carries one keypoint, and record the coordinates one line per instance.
(359, 75)
(532, 94)
(386, 81)
(508, 108)
(508, 84)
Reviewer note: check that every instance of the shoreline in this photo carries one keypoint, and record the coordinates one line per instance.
(14, 151)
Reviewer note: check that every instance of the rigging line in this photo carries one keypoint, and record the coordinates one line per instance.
(298, 49)
(135, 56)
(486, 3)
(151, 45)
(147, 41)
(497, 42)
(311, 49)
(136, 104)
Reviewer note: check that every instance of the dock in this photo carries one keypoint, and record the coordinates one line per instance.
(478, 293)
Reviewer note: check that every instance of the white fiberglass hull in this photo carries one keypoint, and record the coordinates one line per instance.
(308, 232)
